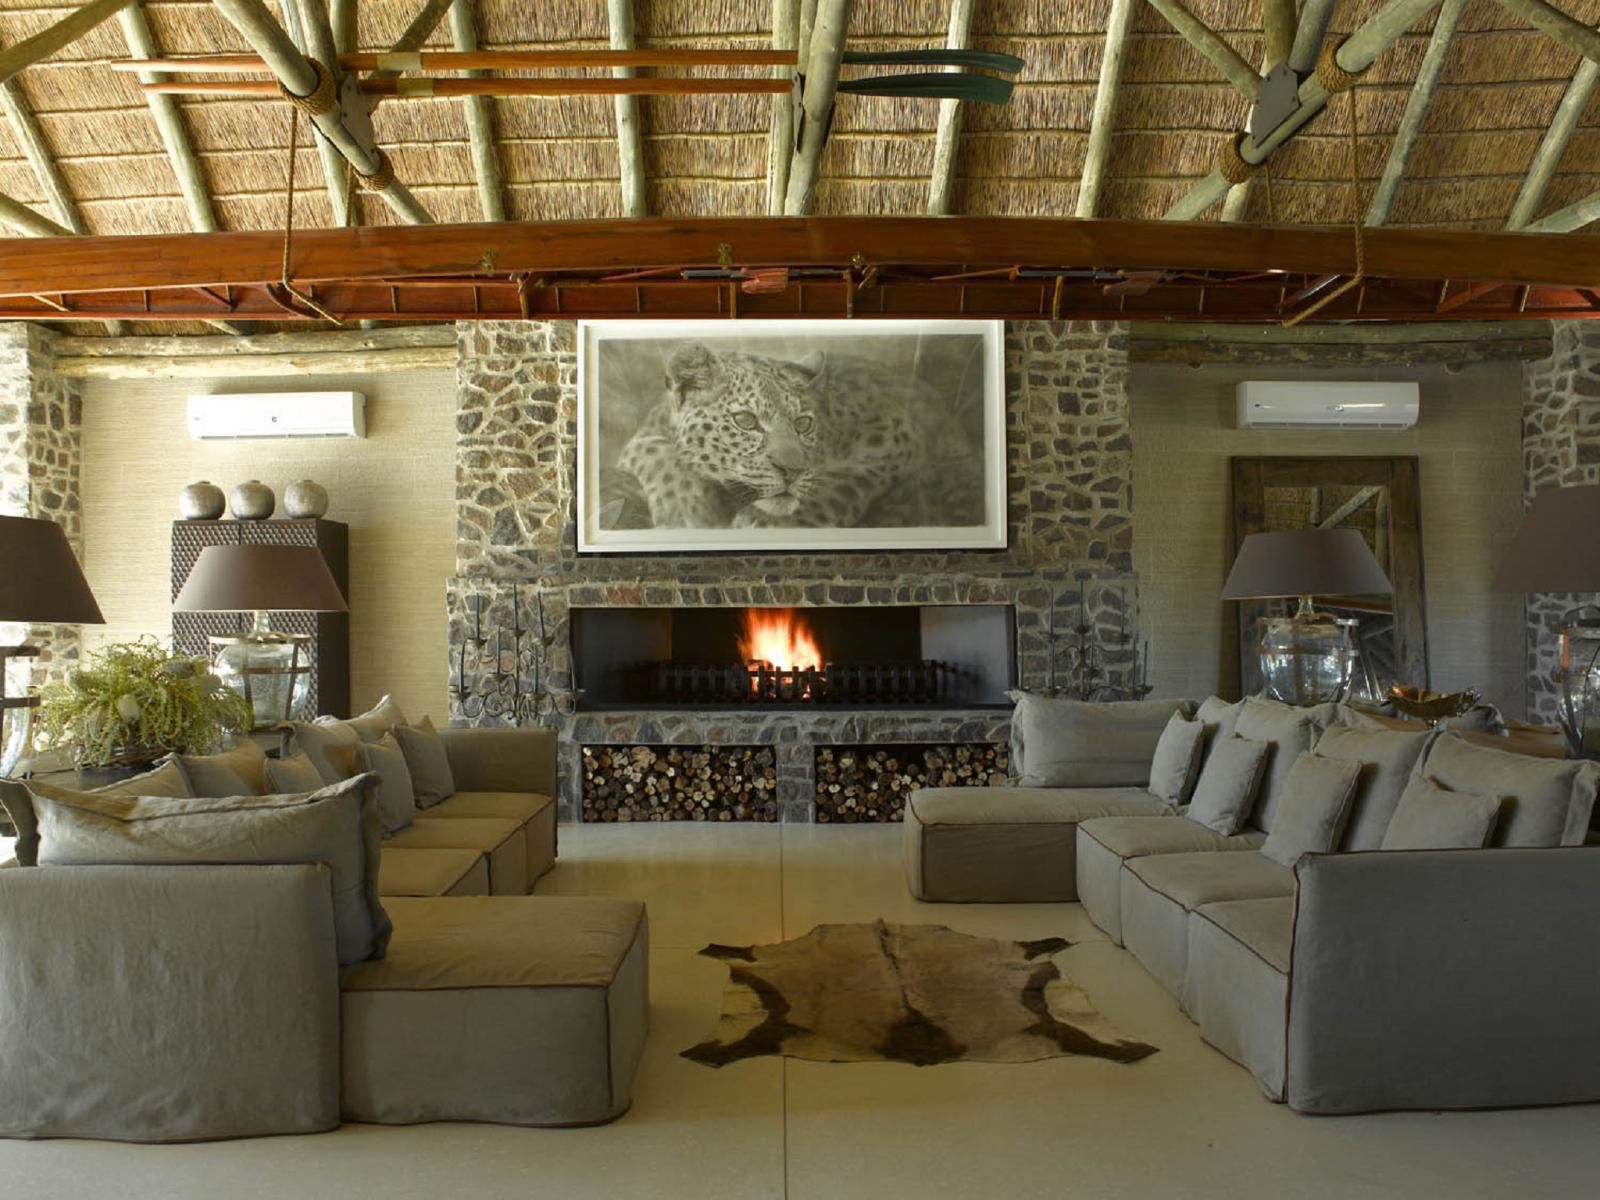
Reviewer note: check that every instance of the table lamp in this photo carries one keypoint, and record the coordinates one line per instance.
(1305, 658)
(271, 670)
(42, 584)
(1558, 550)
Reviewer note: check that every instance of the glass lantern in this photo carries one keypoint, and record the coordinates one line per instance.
(1579, 676)
(271, 670)
(1307, 658)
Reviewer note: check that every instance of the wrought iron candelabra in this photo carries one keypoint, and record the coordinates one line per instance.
(1083, 672)
(492, 665)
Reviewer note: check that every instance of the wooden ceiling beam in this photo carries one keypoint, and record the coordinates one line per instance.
(780, 133)
(1212, 45)
(947, 132)
(1309, 34)
(630, 137)
(1278, 30)
(1102, 124)
(53, 37)
(1416, 112)
(1549, 20)
(479, 114)
(1573, 217)
(1568, 116)
(822, 58)
(311, 29)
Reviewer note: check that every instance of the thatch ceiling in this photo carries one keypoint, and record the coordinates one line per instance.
(706, 155)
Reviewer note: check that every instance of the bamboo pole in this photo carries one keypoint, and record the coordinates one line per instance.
(780, 136)
(52, 38)
(1278, 31)
(1355, 54)
(1308, 35)
(1569, 31)
(1103, 123)
(1212, 45)
(24, 220)
(630, 140)
(308, 25)
(1416, 113)
(30, 140)
(409, 44)
(342, 16)
(494, 60)
(479, 113)
(816, 106)
(948, 130)
(267, 38)
(1565, 220)
(1569, 113)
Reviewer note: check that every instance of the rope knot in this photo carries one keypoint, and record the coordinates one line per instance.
(1331, 75)
(323, 98)
(1232, 164)
(380, 179)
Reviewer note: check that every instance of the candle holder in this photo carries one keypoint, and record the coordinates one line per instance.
(1081, 664)
(492, 666)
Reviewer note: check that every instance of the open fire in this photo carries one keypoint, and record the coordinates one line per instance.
(780, 638)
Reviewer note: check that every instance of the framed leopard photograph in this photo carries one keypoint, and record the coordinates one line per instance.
(790, 435)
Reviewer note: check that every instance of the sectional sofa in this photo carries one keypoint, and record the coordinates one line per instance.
(1350, 980)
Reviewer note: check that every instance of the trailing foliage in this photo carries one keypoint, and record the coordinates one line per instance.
(135, 701)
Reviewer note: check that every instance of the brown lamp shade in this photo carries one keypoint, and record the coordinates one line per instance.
(1305, 562)
(1558, 547)
(41, 582)
(260, 579)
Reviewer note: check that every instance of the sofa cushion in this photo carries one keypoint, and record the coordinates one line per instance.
(1219, 716)
(1290, 731)
(437, 871)
(1235, 983)
(1207, 877)
(1314, 810)
(1550, 800)
(1077, 743)
(165, 780)
(375, 722)
(1027, 805)
(1176, 764)
(1228, 784)
(536, 812)
(428, 762)
(296, 773)
(1430, 817)
(1264, 927)
(397, 802)
(1388, 757)
(331, 748)
(241, 770)
(501, 841)
(337, 826)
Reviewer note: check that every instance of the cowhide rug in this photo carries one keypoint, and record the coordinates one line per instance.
(920, 994)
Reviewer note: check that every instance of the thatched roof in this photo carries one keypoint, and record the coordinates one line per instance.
(706, 155)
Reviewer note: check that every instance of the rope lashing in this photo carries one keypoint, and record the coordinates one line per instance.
(323, 98)
(1334, 78)
(380, 179)
(1231, 164)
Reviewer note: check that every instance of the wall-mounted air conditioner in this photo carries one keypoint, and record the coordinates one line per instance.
(278, 415)
(1301, 404)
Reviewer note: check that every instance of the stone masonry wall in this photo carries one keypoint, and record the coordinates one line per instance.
(1561, 448)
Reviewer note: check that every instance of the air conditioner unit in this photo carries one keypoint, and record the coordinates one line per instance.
(278, 415)
(1300, 404)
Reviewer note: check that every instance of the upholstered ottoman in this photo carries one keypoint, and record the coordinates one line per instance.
(522, 1010)
(1011, 844)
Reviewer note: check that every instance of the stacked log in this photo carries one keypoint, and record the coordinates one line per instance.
(870, 783)
(680, 783)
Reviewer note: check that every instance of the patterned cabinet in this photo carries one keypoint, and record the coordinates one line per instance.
(330, 632)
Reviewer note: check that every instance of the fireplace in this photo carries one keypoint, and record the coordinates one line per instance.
(760, 658)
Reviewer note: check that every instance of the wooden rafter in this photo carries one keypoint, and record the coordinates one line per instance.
(311, 30)
(53, 37)
(1278, 30)
(780, 135)
(1212, 45)
(947, 132)
(1569, 31)
(822, 57)
(1309, 34)
(479, 114)
(630, 138)
(1568, 116)
(1574, 216)
(1103, 122)
(1416, 113)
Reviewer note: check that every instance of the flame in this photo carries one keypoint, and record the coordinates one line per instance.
(780, 637)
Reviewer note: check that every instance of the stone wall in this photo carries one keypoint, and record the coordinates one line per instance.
(40, 458)
(1560, 448)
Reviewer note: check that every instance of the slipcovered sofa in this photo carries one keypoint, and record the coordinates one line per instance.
(1353, 979)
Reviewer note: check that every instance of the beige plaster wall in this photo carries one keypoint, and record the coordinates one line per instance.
(1469, 441)
(395, 489)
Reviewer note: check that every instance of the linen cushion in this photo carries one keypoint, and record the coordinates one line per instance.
(1228, 784)
(165, 780)
(1077, 743)
(1290, 731)
(337, 826)
(240, 770)
(331, 748)
(397, 803)
(1549, 800)
(1431, 817)
(1176, 764)
(296, 773)
(371, 725)
(1219, 717)
(1387, 757)
(1315, 808)
(431, 780)
(432, 871)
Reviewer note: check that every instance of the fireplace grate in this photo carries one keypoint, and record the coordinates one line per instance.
(927, 682)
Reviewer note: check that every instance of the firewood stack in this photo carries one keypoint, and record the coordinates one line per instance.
(871, 783)
(680, 783)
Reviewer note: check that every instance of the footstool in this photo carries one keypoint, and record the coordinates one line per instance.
(521, 1010)
(1005, 844)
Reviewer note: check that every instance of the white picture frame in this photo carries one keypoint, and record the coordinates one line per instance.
(748, 435)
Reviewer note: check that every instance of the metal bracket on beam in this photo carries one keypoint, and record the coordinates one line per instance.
(1278, 98)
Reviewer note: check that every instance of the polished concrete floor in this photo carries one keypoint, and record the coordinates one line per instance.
(1185, 1123)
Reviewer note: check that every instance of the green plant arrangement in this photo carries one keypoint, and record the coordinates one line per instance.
(134, 702)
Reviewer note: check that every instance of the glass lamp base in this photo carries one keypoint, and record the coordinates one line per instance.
(1307, 658)
(270, 670)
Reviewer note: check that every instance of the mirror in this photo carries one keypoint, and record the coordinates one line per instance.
(1378, 497)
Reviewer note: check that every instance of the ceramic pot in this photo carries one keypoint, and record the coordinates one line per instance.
(252, 500)
(305, 499)
(202, 501)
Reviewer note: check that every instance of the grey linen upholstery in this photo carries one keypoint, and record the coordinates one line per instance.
(432, 872)
(238, 771)
(494, 762)
(535, 813)
(1388, 757)
(1290, 731)
(1160, 891)
(1005, 844)
(1237, 982)
(431, 777)
(501, 840)
(1550, 801)
(231, 1030)
(1080, 743)
(524, 1010)
(1104, 843)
